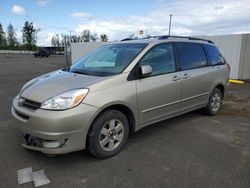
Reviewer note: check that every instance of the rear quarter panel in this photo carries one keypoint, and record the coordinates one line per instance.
(220, 76)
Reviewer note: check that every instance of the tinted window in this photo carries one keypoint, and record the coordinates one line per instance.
(215, 55)
(161, 59)
(191, 56)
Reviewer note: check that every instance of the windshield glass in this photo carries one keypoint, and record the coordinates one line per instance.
(107, 60)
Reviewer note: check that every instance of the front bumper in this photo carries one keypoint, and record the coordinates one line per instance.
(70, 125)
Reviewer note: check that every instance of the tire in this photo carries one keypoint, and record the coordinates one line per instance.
(108, 134)
(214, 103)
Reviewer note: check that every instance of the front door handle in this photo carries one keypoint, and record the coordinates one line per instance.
(185, 76)
(176, 78)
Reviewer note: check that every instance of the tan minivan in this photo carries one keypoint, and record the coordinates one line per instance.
(118, 89)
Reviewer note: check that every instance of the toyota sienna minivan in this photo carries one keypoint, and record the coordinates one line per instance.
(118, 89)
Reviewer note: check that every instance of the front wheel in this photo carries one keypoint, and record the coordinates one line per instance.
(108, 134)
(214, 103)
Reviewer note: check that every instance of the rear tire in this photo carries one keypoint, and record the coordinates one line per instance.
(108, 134)
(214, 103)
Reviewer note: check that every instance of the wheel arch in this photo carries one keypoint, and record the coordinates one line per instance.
(221, 87)
(120, 107)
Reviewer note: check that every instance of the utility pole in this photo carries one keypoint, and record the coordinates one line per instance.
(170, 22)
(68, 47)
(66, 51)
(70, 36)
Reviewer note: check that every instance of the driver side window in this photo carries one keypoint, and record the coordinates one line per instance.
(161, 59)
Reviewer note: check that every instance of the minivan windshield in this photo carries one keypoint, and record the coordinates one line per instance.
(107, 60)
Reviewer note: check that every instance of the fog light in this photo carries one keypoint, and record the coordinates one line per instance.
(53, 144)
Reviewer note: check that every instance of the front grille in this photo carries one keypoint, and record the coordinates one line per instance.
(30, 104)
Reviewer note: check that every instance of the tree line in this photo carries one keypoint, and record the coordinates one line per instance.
(8, 38)
(9, 41)
(85, 36)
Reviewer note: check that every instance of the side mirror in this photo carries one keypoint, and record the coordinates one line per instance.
(145, 71)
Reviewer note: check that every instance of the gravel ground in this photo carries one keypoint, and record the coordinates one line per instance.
(237, 100)
(191, 150)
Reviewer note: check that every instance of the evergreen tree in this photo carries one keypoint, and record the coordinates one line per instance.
(55, 41)
(2, 37)
(29, 35)
(11, 36)
(104, 38)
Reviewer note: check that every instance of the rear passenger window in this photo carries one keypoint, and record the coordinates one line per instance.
(161, 59)
(191, 56)
(215, 55)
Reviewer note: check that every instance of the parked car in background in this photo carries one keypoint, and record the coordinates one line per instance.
(41, 53)
(118, 89)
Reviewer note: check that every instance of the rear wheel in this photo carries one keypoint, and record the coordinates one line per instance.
(108, 134)
(214, 103)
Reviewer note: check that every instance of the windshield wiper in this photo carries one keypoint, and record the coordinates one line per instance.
(78, 72)
(66, 69)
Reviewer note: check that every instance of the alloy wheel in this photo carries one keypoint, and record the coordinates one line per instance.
(215, 102)
(111, 135)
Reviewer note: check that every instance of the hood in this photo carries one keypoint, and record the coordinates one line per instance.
(55, 83)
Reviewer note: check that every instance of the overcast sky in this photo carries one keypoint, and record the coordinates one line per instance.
(118, 19)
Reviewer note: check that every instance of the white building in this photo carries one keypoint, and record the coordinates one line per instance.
(236, 49)
(80, 49)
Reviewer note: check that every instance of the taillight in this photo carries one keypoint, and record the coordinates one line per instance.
(229, 67)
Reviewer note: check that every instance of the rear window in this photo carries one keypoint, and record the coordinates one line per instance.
(191, 56)
(215, 55)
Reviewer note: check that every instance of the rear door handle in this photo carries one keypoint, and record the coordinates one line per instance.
(186, 75)
(176, 78)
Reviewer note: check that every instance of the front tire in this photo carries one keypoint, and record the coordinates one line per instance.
(108, 134)
(214, 103)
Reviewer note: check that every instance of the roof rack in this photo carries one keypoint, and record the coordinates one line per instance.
(126, 39)
(167, 37)
(136, 38)
(184, 37)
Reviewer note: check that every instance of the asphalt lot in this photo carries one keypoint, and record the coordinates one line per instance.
(191, 150)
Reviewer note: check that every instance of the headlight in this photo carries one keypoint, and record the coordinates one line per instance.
(65, 100)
